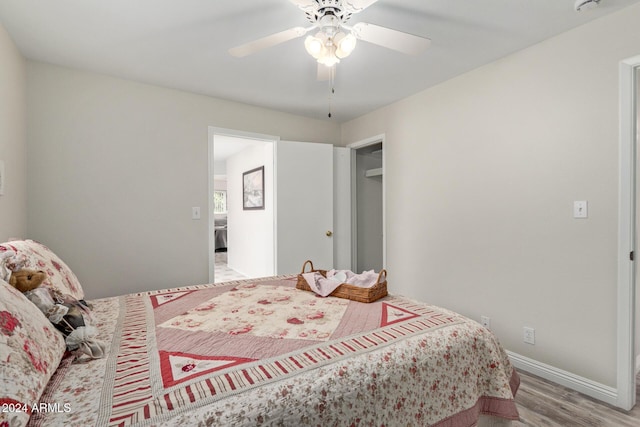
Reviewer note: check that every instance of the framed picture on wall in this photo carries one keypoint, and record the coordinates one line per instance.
(253, 189)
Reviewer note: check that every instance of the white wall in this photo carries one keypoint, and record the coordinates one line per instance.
(250, 233)
(115, 167)
(481, 174)
(13, 139)
(220, 167)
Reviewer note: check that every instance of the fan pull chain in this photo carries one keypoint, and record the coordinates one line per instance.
(332, 89)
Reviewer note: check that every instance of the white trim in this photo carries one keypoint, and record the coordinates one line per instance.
(626, 389)
(211, 233)
(275, 206)
(367, 141)
(242, 134)
(211, 229)
(567, 379)
(354, 211)
(354, 224)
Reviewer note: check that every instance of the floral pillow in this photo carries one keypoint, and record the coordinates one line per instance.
(38, 257)
(30, 350)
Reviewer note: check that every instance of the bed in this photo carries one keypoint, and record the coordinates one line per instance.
(220, 232)
(249, 353)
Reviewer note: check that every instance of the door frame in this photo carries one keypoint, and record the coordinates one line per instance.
(354, 206)
(626, 363)
(212, 131)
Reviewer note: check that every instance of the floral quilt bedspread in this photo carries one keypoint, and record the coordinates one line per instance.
(260, 352)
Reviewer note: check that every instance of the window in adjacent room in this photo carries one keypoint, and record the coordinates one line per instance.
(219, 201)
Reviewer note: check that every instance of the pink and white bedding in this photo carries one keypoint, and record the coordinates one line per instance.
(255, 352)
(260, 352)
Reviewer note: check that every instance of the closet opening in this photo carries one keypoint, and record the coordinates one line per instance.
(368, 188)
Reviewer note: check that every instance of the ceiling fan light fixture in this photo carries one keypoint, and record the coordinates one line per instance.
(323, 48)
(334, 39)
(329, 57)
(345, 43)
(314, 46)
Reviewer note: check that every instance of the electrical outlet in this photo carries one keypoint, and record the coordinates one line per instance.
(485, 321)
(529, 335)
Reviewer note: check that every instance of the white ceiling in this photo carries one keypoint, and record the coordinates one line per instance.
(183, 44)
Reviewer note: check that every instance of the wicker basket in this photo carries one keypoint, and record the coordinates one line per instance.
(347, 291)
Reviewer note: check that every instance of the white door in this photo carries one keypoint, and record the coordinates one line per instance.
(304, 205)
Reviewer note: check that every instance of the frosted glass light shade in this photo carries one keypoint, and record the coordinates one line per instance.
(345, 45)
(314, 46)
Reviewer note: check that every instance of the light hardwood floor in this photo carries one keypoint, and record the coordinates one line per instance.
(542, 403)
(222, 272)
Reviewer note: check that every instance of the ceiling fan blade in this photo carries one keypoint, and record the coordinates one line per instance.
(355, 6)
(306, 5)
(391, 39)
(268, 41)
(325, 73)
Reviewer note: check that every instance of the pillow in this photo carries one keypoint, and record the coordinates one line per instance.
(30, 350)
(39, 257)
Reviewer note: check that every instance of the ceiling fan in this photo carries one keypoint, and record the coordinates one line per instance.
(335, 39)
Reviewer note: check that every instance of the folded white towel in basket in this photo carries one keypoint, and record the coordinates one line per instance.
(324, 286)
(365, 280)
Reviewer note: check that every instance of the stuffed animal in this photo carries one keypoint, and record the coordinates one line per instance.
(68, 315)
(27, 280)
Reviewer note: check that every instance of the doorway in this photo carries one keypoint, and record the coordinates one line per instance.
(368, 204)
(295, 222)
(232, 254)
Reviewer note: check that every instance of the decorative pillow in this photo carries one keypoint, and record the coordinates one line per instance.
(38, 257)
(30, 350)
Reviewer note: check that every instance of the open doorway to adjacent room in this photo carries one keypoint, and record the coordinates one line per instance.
(241, 240)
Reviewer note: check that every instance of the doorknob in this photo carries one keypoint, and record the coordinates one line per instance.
(329, 233)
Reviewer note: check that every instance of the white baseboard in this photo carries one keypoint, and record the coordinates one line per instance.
(567, 379)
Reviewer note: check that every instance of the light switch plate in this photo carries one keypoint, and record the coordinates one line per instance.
(580, 209)
(195, 212)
